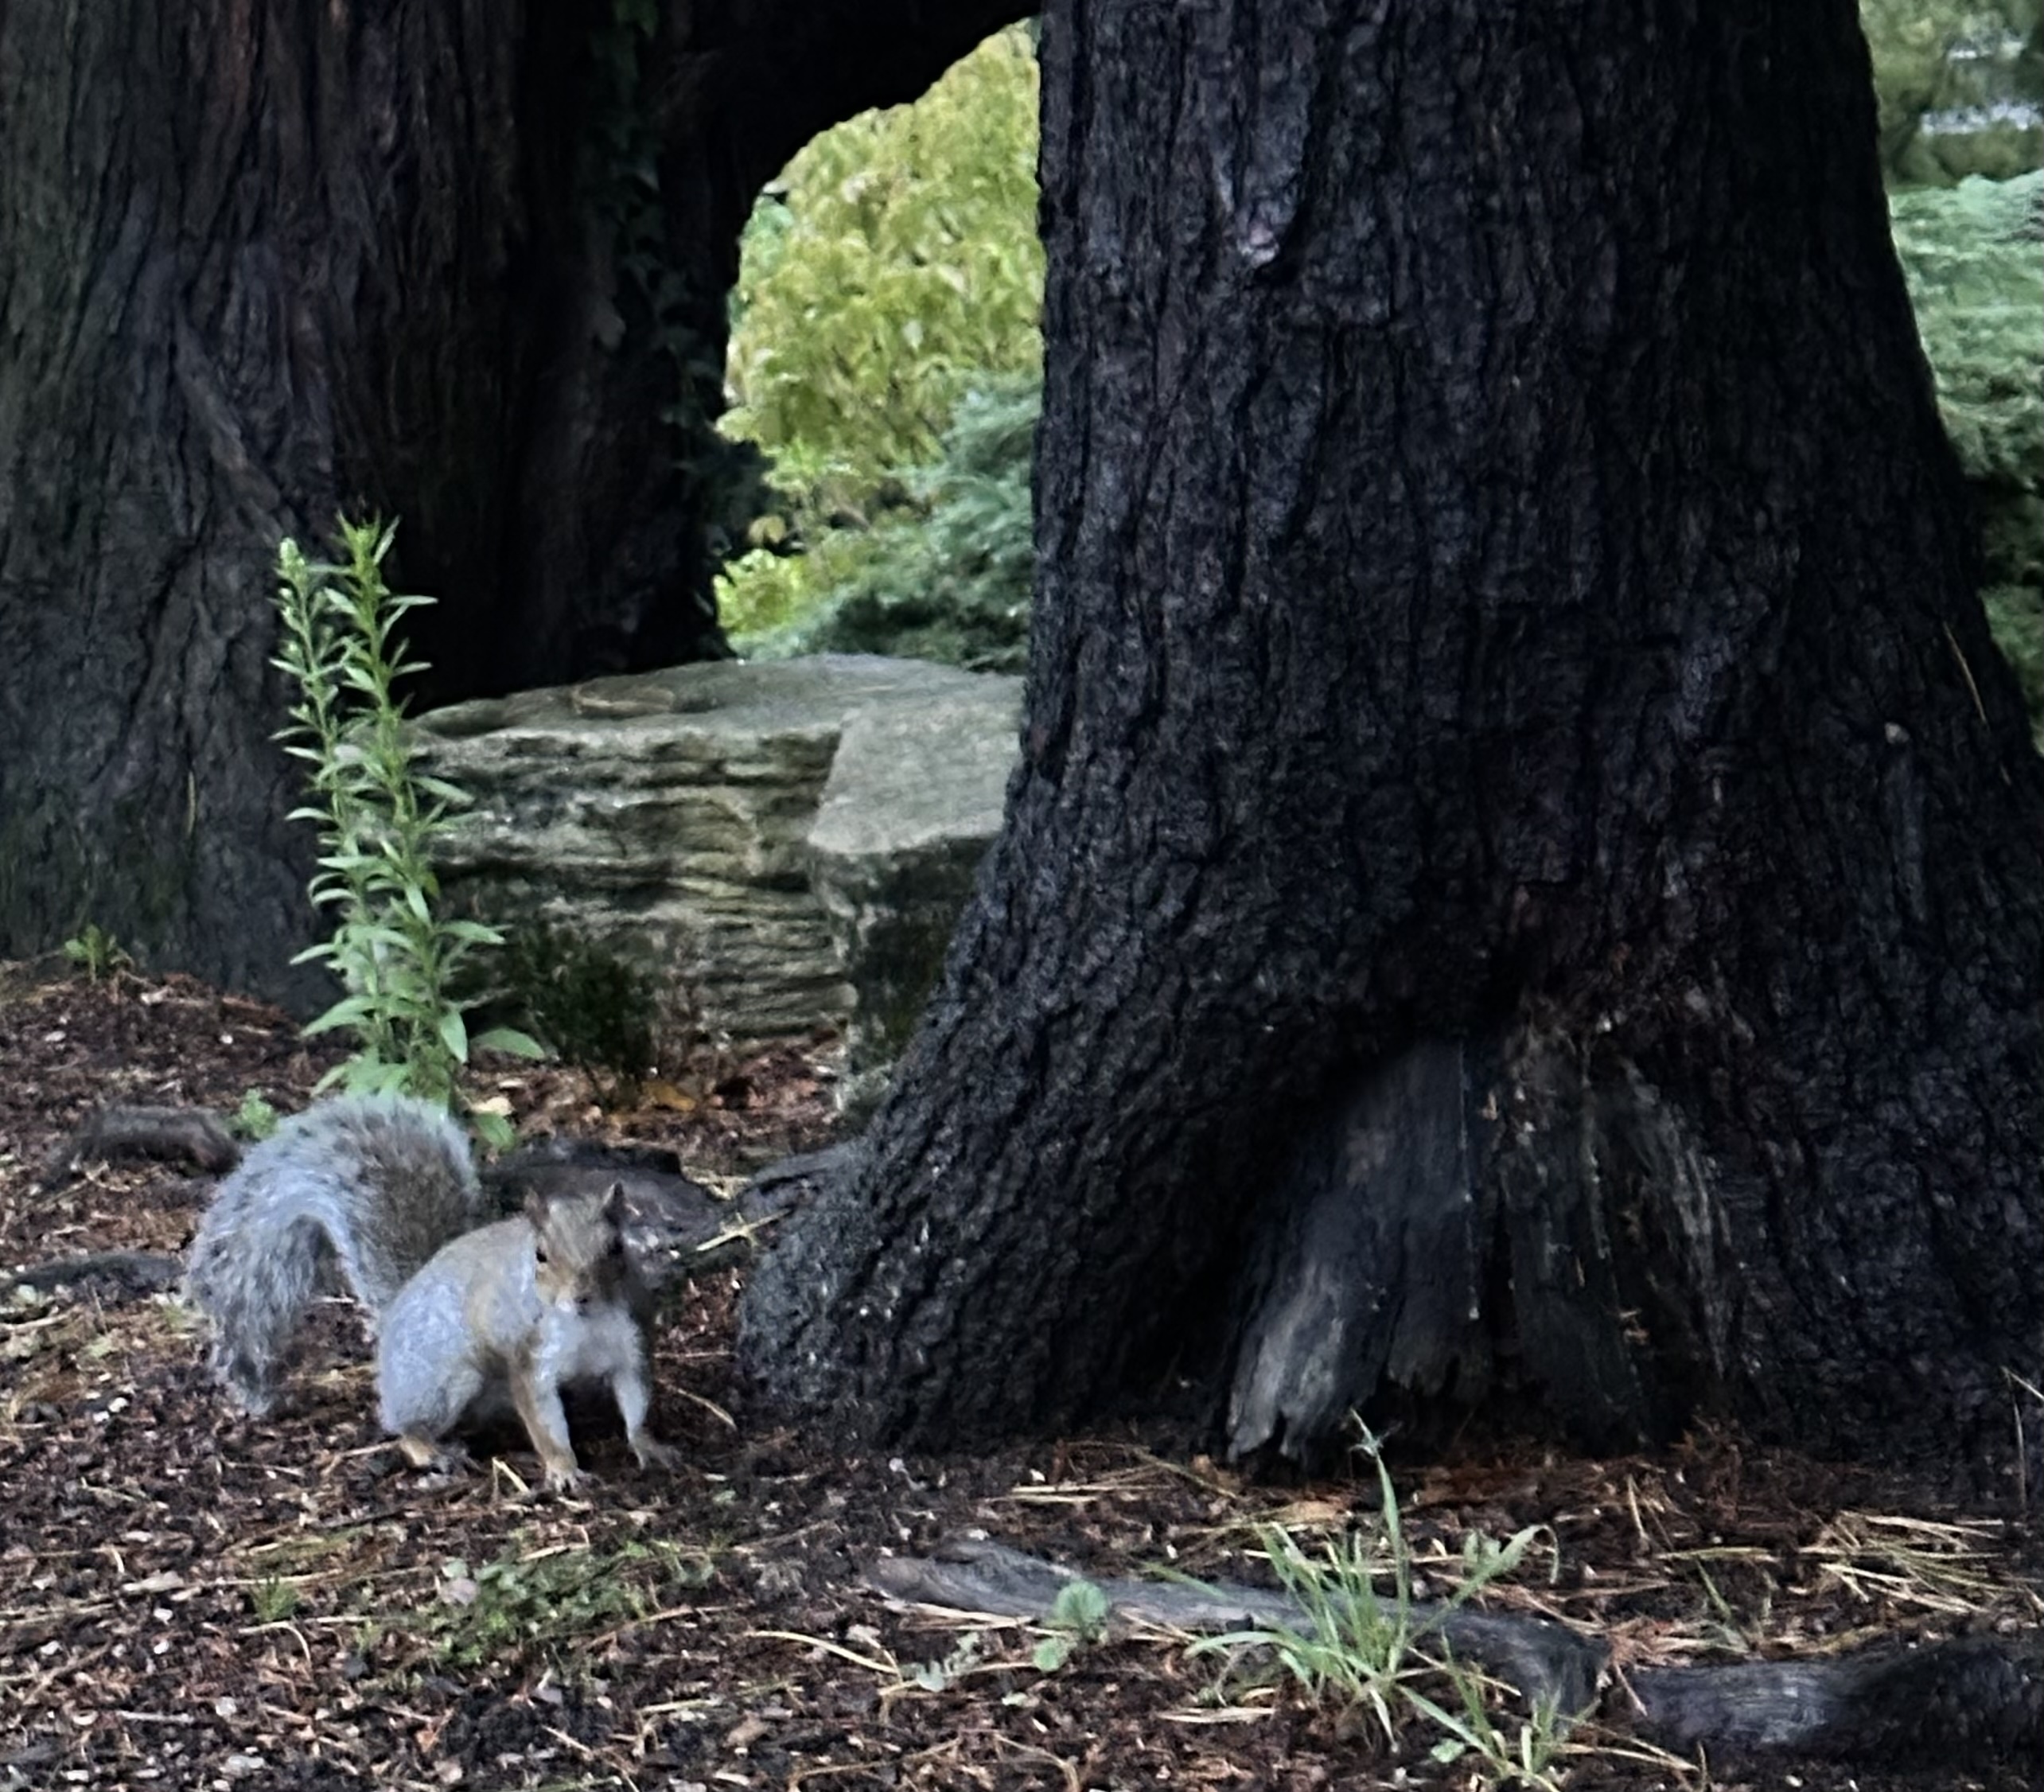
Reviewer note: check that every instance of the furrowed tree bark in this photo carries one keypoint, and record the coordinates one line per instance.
(464, 263)
(1523, 839)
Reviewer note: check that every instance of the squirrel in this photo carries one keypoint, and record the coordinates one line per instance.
(474, 1318)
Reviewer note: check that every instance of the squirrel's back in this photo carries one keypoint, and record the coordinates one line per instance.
(377, 1183)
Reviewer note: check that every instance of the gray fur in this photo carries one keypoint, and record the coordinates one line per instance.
(375, 1183)
(433, 1373)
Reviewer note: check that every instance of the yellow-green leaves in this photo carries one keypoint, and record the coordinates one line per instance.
(899, 262)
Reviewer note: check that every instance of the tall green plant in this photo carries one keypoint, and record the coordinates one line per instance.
(398, 960)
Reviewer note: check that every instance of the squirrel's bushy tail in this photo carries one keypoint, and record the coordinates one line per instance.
(376, 1184)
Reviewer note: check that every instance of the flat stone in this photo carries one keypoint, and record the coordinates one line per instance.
(666, 816)
(914, 799)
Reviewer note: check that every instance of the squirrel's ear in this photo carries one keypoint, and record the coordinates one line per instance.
(615, 1209)
(536, 1210)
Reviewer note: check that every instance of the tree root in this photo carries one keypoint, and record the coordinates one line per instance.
(1973, 1701)
(170, 1135)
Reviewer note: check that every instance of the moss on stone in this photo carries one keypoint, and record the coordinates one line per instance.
(1961, 87)
(1974, 257)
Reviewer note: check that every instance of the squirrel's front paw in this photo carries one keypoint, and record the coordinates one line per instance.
(564, 1477)
(653, 1454)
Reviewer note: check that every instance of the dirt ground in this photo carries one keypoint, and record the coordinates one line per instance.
(190, 1600)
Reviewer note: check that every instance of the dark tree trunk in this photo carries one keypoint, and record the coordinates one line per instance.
(259, 264)
(1527, 875)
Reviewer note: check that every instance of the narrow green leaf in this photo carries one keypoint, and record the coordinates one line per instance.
(494, 1130)
(510, 1040)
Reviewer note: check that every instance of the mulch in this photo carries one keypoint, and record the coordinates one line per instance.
(189, 1599)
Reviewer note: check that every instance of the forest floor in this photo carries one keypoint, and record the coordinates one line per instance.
(189, 1598)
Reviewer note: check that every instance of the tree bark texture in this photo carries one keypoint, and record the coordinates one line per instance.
(462, 262)
(1520, 813)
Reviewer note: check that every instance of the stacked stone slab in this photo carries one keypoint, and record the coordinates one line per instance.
(791, 840)
(914, 797)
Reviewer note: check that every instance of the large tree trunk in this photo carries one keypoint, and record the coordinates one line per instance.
(1527, 874)
(259, 263)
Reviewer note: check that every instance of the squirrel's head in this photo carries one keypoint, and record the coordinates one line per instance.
(579, 1261)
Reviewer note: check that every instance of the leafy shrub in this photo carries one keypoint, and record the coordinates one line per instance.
(816, 535)
(890, 293)
(947, 578)
(595, 1011)
(898, 264)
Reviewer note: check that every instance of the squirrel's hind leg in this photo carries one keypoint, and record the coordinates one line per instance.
(443, 1453)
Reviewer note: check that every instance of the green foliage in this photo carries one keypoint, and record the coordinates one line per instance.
(946, 578)
(254, 1119)
(902, 265)
(97, 953)
(274, 1600)
(2015, 613)
(378, 814)
(596, 1011)
(1972, 256)
(1957, 83)
(520, 1608)
(819, 532)
(885, 343)
(1366, 1648)
(1078, 1618)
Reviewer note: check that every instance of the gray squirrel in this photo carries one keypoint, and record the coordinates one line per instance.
(475, 1320)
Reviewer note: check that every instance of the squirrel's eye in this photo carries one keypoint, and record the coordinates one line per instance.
(540, 1257)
